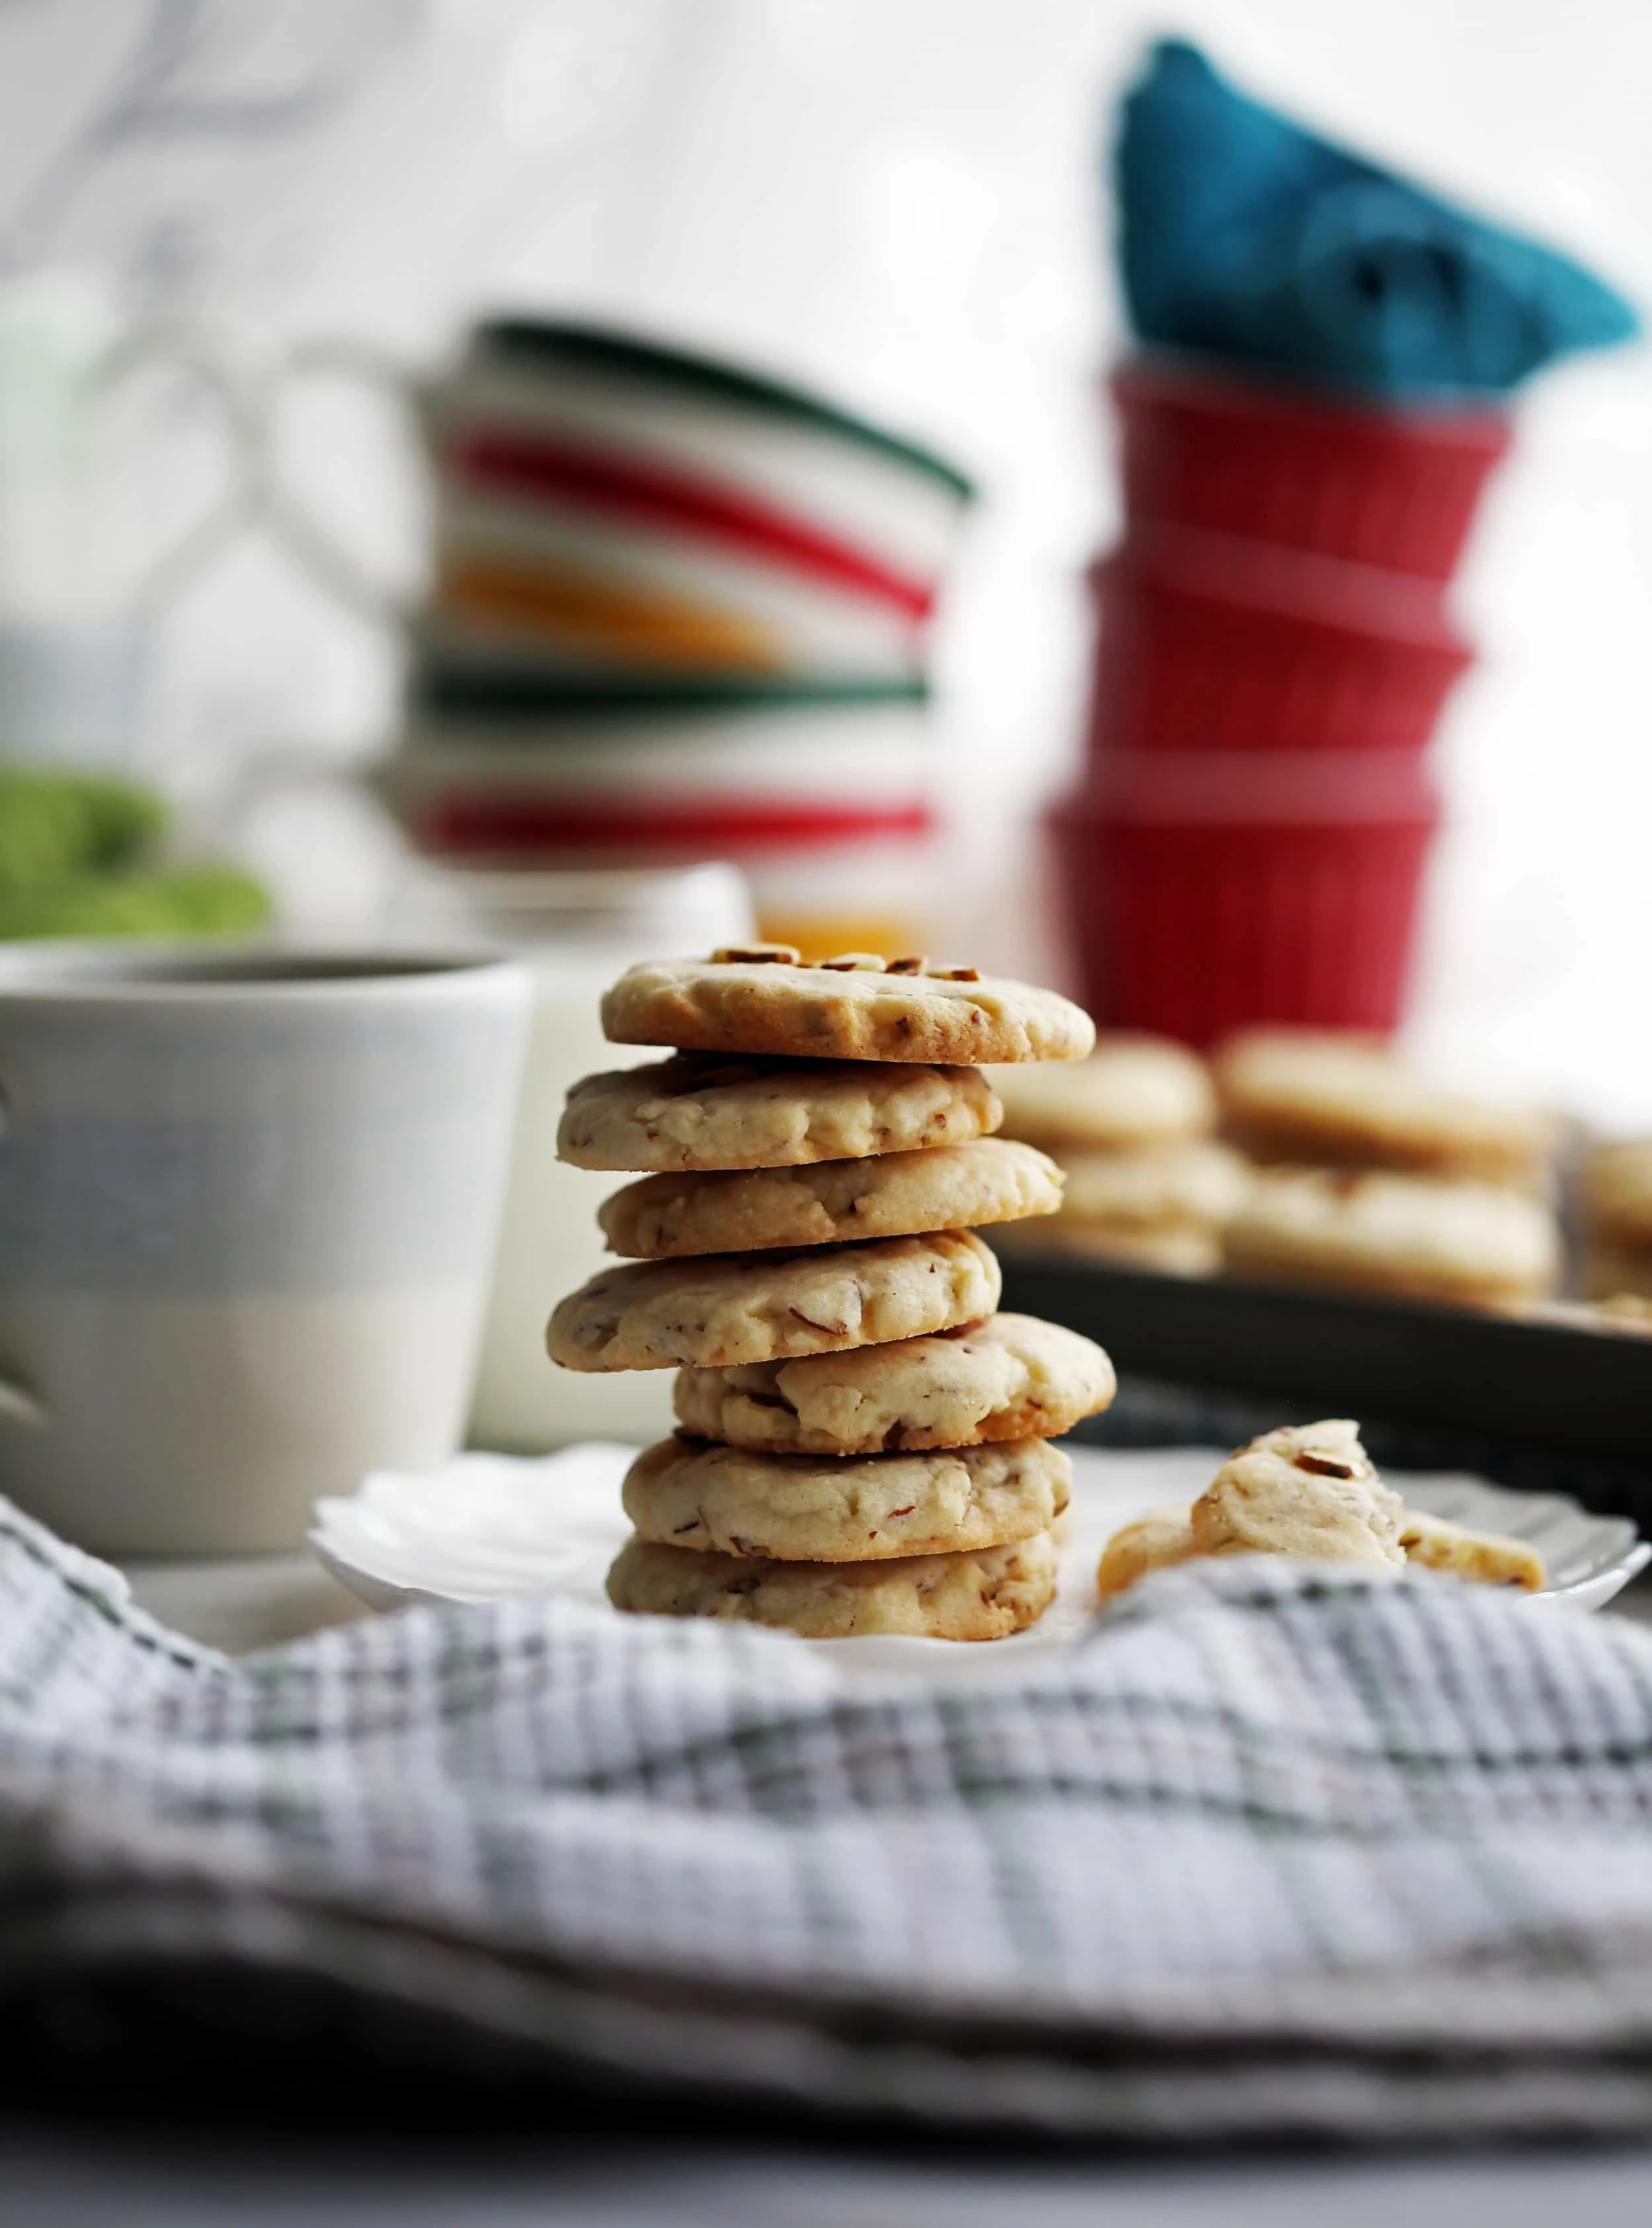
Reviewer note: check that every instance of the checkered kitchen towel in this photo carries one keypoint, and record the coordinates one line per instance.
(1269, 1851)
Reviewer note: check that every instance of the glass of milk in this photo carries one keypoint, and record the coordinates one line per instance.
(575, 930)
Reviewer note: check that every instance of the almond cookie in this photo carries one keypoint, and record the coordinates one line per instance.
(706, 1110)
(1310, 1490)
(892, 1195)
(1157, 1541)
(1487, 1558)
(1011, 1377)
(834, 1508)
(719, 1311)
(1176, 1250)
(1617, 1193)
(1459, 1243)
(870, 1012)
(1203, 1184)
(1131, 1092)
(1345, 1101)
(1306, 1489)
(1616, 1272)
(1163, 1207)
(986, 1595)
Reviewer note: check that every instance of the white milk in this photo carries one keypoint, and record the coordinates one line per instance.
(549, 1242)
(575, 933)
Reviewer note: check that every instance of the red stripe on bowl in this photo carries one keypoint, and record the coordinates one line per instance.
(513, 463)
(507, 824)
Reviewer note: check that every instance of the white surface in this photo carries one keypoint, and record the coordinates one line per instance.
(487, 1526)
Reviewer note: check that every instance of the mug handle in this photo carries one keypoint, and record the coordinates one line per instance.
(314, 546)
(194, 347)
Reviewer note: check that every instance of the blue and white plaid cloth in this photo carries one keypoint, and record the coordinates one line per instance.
(1271, 1850)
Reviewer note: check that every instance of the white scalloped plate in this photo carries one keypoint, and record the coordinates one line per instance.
(490, 1524)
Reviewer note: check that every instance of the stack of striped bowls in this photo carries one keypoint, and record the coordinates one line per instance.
(677, 611)
(1274, 648)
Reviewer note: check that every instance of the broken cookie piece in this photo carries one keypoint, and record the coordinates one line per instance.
(1311, 1490)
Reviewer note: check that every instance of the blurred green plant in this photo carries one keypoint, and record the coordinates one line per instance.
(55, 826)
(75, 853)
(183, 901)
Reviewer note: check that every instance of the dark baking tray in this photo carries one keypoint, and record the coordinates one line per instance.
(1553, 1386)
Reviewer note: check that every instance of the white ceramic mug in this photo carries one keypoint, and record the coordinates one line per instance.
(247, 1205)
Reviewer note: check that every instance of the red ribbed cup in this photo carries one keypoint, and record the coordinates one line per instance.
(1207, 902)
(1397, 489)
(1206, 644)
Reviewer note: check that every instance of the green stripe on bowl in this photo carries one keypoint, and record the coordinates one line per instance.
(596, 347)
(465, 693)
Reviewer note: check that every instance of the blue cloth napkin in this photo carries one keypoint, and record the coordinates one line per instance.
(1245, 237)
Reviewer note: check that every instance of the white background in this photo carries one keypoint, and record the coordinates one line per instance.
(898, 200)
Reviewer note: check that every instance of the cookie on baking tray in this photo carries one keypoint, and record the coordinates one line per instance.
(1415, 1237)
(1011, 1377)
(838, 1509)
(890, 1195)
(986, 1594)
(1183, 1249)
(714, 1110)
(1617, 1205)
(760, 999)
(1304, 1096)
(1132, 1091)
(1161, 1207)
(719, 1310)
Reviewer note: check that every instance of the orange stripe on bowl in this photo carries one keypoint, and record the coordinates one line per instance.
(563, 604)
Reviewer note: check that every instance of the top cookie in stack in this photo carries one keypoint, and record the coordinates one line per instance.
(863, 1441)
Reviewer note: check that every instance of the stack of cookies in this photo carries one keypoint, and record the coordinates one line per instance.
(863, 1444)
(1133, 1130)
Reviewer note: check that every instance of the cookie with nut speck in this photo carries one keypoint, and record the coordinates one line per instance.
(1306, 1489)
(743, 1001)
(985, 1594)
(889, 1195)
(719, 1310)
(712, 1111)
(827, 1508)
(1011, 1377)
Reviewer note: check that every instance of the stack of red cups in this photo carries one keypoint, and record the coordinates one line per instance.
(1274, 649)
